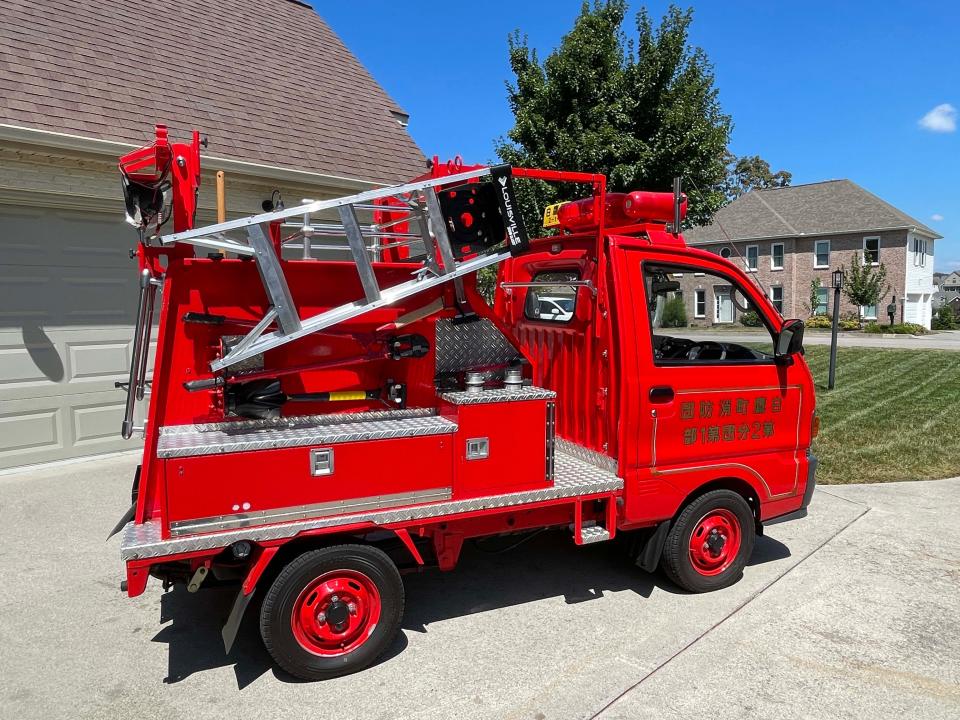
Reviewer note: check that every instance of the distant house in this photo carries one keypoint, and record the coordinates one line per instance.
(951, 282)
(787, 237)
(947, 297)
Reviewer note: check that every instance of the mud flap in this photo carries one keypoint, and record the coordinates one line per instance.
(230, 629)
(127, 517)
(649, 557)
(232, 626)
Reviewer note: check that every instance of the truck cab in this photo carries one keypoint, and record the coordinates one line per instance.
(679, 409)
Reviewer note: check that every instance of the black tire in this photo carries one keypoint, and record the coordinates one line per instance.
(678, 559)
(277, 613)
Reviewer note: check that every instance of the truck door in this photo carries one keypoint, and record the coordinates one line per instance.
(713, 405)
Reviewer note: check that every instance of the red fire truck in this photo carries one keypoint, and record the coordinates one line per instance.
(334, 403)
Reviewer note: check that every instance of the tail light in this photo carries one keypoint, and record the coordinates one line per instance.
(814, 426)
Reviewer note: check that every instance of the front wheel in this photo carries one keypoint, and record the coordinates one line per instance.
(332, 611)
(710, 542)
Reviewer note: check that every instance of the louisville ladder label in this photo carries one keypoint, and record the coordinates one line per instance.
(516, 233)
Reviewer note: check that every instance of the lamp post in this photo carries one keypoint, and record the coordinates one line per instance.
(837, 278)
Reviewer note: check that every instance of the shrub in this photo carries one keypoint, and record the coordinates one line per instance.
(901, 329)
(849, 324)
(819, 321)
(675, 313)
(750, 319)
(945, 319)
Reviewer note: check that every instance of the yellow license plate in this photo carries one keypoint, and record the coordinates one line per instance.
(551, 217)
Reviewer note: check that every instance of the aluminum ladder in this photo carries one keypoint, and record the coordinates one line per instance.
(417, 204)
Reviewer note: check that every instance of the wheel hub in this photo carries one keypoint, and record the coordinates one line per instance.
(715, 542)
(336, 613)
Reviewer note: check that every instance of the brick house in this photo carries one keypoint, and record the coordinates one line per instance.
(80, 84)
(788, 237)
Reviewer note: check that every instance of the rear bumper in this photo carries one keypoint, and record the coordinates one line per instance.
(801, 512)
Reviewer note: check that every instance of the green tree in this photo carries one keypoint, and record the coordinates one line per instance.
(815, 286)
(945, 318)
(641, 110)
(674, 313)
(752, 173)
(864, 284)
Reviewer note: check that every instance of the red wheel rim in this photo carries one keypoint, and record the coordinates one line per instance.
(715, 542)
(336, 613)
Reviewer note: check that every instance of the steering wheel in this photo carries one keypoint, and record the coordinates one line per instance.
(694, 352)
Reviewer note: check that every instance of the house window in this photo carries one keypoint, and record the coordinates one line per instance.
(823, 295)
(821, 254)
(753, 257)
(699, 303)
(871, 251)
(869, 312)
(725, 253)
(776, 297)
(919, 252)
(776, 256)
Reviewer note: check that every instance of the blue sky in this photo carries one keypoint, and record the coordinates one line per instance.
(824, 90)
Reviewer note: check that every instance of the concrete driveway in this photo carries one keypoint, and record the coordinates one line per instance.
(851, 613)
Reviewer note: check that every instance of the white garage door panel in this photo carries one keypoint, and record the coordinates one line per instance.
(68, 294)
(66, 362)
(96, 420)
(26, 429)
(42, 238)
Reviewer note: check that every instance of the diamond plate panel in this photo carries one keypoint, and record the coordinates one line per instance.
(592, 534)
(574, 478)
(604, 462)
(498, 395)
(295, 421)
(214, 442)
(471, 345)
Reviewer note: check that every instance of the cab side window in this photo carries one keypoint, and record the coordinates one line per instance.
(552, 301)
(700, 317)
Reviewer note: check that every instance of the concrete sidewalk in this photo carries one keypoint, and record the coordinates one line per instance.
(852, 612)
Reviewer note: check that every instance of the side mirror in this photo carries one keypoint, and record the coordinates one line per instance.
(789, 340)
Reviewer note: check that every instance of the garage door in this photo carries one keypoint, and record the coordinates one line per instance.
(68, 293)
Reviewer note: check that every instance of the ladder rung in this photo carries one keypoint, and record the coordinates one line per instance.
(388, 296)
(320, 205)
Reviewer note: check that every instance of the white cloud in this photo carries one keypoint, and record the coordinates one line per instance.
(936, 217)
(942, 119)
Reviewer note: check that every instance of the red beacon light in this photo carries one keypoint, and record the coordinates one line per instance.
(621, 209)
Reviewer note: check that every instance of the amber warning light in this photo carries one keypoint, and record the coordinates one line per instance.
(621, 209)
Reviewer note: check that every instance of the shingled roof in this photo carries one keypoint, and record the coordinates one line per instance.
(268, 81)
(823, 208)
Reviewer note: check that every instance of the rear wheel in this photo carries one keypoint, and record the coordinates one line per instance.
(710, 542)
(332, 611)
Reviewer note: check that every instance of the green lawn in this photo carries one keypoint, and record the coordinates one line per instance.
(894, 415)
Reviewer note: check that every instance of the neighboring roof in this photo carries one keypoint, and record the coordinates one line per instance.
(268, 81)
(944, 297)
(950, 279)
(823, 208)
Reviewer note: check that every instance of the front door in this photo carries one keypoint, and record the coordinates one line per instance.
(723, 305)
(710, 407)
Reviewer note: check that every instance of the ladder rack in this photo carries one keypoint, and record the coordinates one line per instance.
(439, 228)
